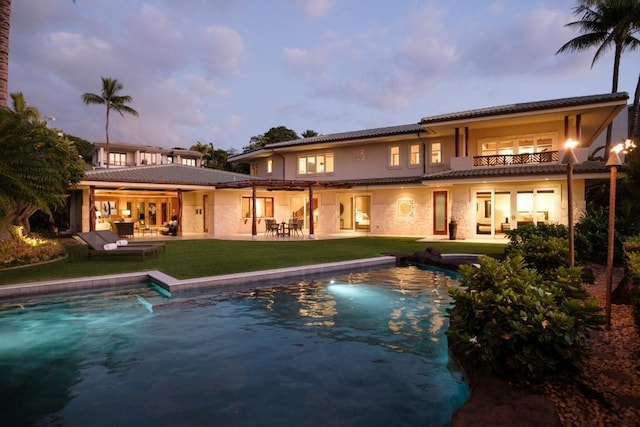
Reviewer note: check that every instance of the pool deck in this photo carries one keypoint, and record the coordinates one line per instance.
(211, 283)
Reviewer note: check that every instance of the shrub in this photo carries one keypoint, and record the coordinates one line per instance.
(591, 236)
(23, 250)
(632, 272)
(543, 247)
(525, 328)
(518, 236)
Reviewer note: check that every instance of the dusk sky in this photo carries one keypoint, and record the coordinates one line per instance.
(222, 71)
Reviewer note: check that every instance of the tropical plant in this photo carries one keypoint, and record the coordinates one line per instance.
(20, 106)
(604, 24)
(37, 168)
(508, 318)
(309, 133)
(111, 98)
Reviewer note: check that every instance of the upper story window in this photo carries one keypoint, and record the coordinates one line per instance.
(316, 164)
(522, 144)
(414, 155)
(118, 159)
(436, 152)
(254, 169)
(188, 162)
(269, 166)
(148, 158)
(394, 156)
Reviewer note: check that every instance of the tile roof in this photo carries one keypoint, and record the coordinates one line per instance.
(356, 134)
(526, 107)
(509, 171)
(377, 181)
(172, 174)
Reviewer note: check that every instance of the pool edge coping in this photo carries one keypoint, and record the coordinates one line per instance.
(173, 285)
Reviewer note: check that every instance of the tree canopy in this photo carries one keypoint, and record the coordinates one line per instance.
(606, 24)
(273, 135)
(37, 169)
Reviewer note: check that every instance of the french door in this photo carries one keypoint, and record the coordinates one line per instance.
(440, 213)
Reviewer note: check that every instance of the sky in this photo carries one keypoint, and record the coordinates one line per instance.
(222, 71)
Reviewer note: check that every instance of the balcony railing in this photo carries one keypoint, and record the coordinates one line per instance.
(516, 159)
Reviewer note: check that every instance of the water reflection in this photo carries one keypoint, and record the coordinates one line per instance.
(400, 306)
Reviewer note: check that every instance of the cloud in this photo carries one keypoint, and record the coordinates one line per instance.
(316, 9)
(221, 50)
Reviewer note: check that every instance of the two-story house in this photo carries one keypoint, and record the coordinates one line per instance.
(490, 170)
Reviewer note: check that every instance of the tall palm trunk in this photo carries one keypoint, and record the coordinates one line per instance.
(5, 25)
(106, 131)
(634, 131)
(614, 89)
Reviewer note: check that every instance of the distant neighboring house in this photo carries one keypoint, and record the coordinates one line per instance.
(490, 170)
(127, 155)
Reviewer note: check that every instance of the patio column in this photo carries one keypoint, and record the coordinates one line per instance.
(466, 141)
(92, 208)
(311, 231)
(179, 231)
(254, 225)
(456, 140)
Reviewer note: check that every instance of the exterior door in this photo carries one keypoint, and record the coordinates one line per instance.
(205, 213)
(440, 213)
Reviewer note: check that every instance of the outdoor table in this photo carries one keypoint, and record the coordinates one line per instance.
(284, 229)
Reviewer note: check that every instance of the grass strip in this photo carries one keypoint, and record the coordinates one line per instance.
(199, 258)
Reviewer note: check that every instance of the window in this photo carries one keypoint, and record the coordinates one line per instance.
(254, 169)
(436, 152)
(394, 156)
(118, 159)
(521, 144)
(414, 155)
(269, 166)
(169, 159)
(147, 158)
(188, 162)
(316, 164)
(264, 207)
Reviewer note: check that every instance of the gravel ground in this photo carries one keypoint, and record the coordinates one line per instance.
(607, 393)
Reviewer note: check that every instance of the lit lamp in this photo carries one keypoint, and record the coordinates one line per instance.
(126, 213)
(570, 159)
(613, 162)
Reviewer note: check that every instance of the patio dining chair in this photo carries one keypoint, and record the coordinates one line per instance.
(295, 226)
(271, 227)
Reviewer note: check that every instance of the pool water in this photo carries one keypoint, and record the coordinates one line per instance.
(365, 349)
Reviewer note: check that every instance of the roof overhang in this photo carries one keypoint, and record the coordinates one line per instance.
(596, 113)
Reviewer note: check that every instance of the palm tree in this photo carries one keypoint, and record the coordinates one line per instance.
(5, 16)
(604, 24)
(20, 106)
(113, 101)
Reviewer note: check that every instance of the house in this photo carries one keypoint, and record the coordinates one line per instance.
(490, 170)
(127, 155)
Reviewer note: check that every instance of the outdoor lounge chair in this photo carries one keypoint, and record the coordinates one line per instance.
(97, 245)
(111, 237)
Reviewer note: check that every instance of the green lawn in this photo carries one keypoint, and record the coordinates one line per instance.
(197, 258)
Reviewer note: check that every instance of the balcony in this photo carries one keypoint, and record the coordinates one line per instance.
(516, 159)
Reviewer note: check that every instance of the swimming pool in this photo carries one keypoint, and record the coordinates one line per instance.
(366, 348)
